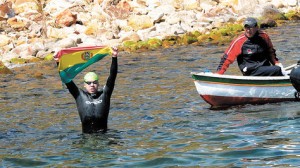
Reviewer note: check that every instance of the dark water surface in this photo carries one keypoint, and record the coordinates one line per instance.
(157, 118)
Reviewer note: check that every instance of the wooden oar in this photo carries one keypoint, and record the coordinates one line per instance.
(287, 70)
(290, 67)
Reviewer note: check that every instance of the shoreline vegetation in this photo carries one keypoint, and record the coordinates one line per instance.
(32, 36)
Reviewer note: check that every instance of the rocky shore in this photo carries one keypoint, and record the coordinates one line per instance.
(32, 30)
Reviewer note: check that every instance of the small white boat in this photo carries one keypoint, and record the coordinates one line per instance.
(228, 90)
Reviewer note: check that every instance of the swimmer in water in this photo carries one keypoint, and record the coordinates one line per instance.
(93, 104)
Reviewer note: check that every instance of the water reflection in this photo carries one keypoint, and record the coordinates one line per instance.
(91, 142)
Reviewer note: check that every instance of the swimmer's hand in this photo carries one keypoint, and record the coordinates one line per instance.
(115, 52)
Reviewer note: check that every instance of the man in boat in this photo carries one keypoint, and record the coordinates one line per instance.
(254, 53)
(93, 104)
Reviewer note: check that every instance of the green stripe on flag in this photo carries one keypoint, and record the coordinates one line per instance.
(69, 74)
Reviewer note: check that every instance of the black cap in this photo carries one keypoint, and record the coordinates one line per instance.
(250, 22)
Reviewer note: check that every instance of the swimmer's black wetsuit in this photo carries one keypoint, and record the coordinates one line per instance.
(94, 108)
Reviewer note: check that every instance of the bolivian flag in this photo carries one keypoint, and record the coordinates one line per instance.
(72, 61)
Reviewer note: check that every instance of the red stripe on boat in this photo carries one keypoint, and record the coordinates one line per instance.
(229, 101)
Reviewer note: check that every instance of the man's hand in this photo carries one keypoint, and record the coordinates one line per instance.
(283, 71)
(115, 52)
(280, 65)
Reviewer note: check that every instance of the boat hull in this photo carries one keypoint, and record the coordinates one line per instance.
(228, 90)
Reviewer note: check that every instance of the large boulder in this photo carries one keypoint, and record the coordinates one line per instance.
(246, 7)
(5, 40)
(65, 19)
(139, 22)
(18, 23)
(6, 11)
(4, 69)
(21, 6)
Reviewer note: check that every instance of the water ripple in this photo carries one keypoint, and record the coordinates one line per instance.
(157, 119)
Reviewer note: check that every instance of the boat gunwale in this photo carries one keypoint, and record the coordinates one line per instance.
(234, 79)
(264, 78)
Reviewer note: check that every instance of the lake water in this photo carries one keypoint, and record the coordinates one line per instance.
(157, 118)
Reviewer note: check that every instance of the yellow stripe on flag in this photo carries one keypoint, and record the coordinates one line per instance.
(79, 57)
